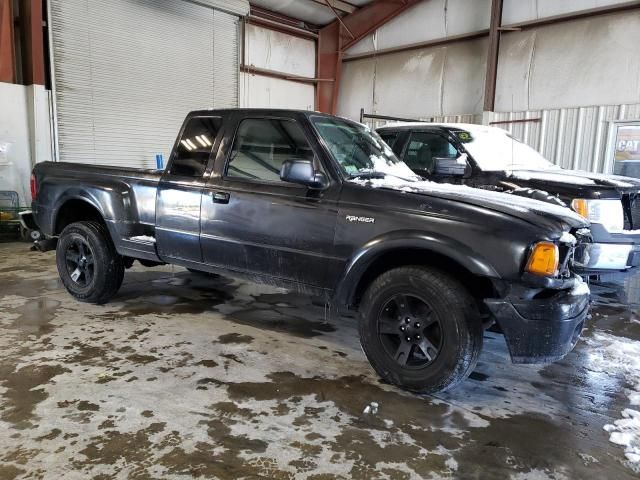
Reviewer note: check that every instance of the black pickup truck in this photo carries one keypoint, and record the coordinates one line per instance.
(320, 204)
(489, 158)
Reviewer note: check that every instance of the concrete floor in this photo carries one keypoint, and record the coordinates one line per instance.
(183, 376)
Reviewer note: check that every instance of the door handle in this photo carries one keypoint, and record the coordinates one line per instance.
(220, 197)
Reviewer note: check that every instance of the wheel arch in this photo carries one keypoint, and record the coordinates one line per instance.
(414, 248)
(76, 209)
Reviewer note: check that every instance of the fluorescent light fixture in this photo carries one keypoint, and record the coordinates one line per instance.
(186, 144)
(191, 144)
(200, 141)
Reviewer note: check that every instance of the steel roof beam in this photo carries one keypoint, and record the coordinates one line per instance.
(335, 38)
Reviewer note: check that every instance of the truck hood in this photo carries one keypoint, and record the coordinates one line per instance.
(530, 210)
(572, 178)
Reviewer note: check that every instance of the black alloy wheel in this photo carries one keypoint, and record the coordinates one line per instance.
(410, 331)
(79, 261)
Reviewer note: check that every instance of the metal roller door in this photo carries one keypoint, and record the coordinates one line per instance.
(127, 71)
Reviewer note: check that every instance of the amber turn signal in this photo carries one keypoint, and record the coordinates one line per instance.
(580, 206)
(543, 259)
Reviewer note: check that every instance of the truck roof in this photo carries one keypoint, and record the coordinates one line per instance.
(260, 111)
(470, 127)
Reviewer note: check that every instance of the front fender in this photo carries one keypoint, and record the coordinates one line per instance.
(364, 257)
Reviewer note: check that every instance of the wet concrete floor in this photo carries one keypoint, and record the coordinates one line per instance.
(184, 376)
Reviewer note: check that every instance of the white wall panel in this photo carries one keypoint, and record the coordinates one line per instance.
(356, 88)
(15, 150)
(463, 83)
(515, 11)
(417, 83)
(258, 91)
(280, 52)
(586, 62)
(25, 135)
(426, 21)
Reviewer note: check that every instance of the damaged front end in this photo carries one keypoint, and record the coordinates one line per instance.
(542, 317)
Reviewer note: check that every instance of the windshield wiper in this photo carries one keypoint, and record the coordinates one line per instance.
(368, 175)
(372, 174)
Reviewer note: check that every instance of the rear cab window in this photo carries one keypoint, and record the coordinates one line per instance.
(195, 146)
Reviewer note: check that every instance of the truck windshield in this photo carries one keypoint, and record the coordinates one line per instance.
(359, 151)
(494, 149)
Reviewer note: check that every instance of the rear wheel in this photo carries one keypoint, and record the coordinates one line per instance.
(420, 329)
(88, 264)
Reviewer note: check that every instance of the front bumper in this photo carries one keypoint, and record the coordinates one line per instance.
(606, 257)
(609, 252)
(542, 330)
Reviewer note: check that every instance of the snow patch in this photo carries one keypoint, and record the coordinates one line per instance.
(617, 355)
(582, 288)
(537, 474)
(451, 464)
(408, 185)
(550, 177)
(568, 238)
(396, 169)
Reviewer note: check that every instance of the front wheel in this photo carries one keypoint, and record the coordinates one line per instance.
(88, 264)
(420, 329)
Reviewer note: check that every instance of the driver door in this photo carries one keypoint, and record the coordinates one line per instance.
(254, 222)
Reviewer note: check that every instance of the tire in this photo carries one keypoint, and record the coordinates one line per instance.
(98, 277)
(451, 334)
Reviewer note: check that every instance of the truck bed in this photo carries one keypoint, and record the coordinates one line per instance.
(129, 215)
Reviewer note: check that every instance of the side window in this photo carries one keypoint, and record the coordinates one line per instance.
(262, 145)
(194, 148)
(390, 139)
(424, 147)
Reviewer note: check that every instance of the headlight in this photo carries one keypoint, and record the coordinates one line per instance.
(544, 259)
(606, 212)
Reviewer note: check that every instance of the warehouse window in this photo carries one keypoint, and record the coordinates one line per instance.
(262, 145)
(195, 146)
(424, 148)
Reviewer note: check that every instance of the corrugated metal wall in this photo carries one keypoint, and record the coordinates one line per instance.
(575, 138)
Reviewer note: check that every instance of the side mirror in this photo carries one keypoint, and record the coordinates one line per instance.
(303, 172)
(451, 166)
